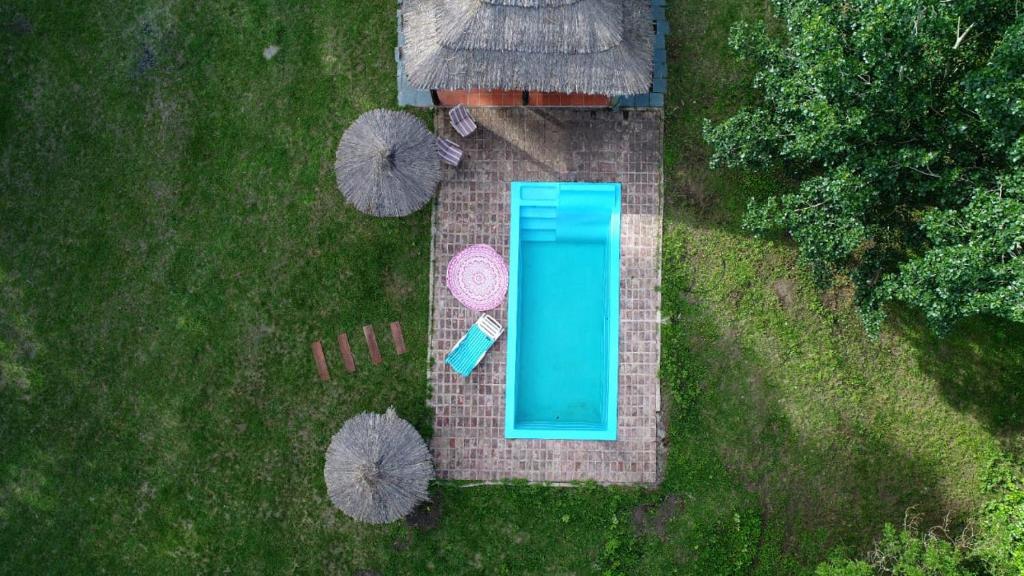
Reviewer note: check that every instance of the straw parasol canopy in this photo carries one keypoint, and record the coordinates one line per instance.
(387, 164)
(378, 468)
(588, 46)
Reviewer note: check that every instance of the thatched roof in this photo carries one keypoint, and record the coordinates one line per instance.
(387, 163)
(582, 46)
(377, 468)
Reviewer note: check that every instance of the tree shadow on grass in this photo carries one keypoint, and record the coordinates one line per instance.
(979, 368)
(824, 487)
(813, 461)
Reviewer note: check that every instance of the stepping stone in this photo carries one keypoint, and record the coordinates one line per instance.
(346, 353)
(371, 342)
(321, 361)
(397, 338)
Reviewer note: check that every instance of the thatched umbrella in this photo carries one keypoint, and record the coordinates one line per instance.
(387, 163)
(378, 468)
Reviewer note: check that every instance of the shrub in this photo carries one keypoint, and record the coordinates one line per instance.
(907, 551)
(1000, 541)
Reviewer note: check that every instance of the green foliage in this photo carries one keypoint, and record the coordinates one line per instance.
(679, 373)
(1000, 541)
(844, 567)
(904, 552)
(902, 122)
(621, 551)
(972, 264)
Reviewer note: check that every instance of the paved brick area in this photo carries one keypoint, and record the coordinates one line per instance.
(473, 207)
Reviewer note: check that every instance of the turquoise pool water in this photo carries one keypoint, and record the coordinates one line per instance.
(563, 325)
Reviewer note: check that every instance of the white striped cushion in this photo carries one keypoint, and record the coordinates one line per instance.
(449, 151)
(461, 120)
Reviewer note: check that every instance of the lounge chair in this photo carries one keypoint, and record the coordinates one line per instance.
(450, 152)
(461, 120)
(470, 349)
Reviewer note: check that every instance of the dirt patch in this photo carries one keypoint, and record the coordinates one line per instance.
(159, 50)
(398, 288)
(401, 544)
(837, 298)
(785, 290)
(729, 344)
(735, 297)
(426, 516)
(653, 519)
(146, 61)
(692, 189)
(20, 25)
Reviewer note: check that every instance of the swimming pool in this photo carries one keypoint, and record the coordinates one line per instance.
(563, 311)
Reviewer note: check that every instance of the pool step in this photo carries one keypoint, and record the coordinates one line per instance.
(571, 227)
(571, 212)
(539, 223)
(539, 212)
(534, 229)
(537, 235)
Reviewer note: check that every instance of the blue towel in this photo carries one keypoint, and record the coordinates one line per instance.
(464, 358)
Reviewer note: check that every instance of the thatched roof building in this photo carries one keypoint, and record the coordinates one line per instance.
(567, 46)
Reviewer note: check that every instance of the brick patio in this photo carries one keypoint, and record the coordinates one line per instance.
(473, 207)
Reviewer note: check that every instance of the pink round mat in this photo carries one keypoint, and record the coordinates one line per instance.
(478, 277)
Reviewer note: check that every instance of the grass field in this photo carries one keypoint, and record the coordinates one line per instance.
(171, 240)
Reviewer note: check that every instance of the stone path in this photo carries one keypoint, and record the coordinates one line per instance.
(473, 207)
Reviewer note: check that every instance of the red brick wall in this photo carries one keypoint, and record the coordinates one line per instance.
(569, 100)
(492, 98)
(480, 97)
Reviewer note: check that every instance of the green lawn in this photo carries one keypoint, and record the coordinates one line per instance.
(171, 240)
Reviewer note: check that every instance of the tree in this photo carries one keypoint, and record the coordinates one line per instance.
(902, 121)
